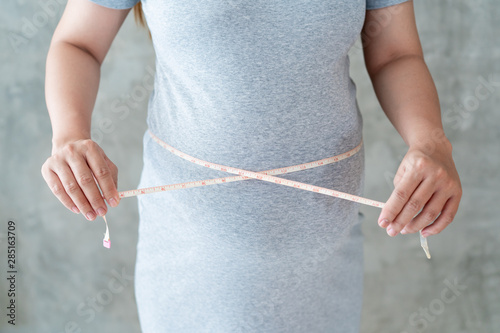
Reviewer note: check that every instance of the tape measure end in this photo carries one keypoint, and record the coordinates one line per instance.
(106, 243)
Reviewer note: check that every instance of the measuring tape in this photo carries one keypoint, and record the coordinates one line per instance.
(267, 175)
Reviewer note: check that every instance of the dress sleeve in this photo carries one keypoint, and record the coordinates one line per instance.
(116, 4)
(375, 4)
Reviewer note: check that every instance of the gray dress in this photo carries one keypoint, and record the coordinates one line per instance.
(256, 85)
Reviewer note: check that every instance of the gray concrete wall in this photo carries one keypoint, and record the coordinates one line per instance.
(66, 280)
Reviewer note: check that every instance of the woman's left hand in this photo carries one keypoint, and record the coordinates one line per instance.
(426, 182)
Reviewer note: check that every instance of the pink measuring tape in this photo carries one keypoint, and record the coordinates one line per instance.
(267, 175)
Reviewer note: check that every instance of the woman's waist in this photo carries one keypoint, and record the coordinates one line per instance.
(161, 161)
(259, 150)
(164, 167)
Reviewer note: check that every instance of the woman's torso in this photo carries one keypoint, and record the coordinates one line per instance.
(258, 84)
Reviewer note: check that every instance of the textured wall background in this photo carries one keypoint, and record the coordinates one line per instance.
(66, 281)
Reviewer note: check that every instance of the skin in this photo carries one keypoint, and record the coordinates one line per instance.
(426, 180)
(77, 50)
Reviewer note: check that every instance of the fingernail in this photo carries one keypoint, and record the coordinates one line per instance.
(403, 232)
(75, 210)
(384, 223)
(90, 216)
(424, 234)
(113, 202)
(391, 232)
(101, 211)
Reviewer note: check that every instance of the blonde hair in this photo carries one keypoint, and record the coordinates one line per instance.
(139, 17)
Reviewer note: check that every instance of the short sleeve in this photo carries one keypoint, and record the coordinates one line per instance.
(376, 4)
(116, 4)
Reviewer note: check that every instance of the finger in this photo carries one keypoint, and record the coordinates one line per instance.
(399, 197)
(397, 179)
(85, 179)
(428, 214)
(74, 191)
(113, 168)
(114, 175)
(446, 217)
(58, 190)
(415, 203)
(103, 175)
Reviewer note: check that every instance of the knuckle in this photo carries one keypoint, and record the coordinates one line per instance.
(400, 194)
(44, 172)
(414, 204)
(420, 164)
(44, 167)
(448, 217)
(102, 172)
(54, 161)
(96, 201)
(440, 173)
(69, 149)
(89, 144)
(396, 179)
(71, 187)
(452, 186)
(430, 215)
(85, 180)
(57, 190)
(49, 163)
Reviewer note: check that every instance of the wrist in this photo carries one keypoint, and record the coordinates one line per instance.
(60, 141)
(433, 141)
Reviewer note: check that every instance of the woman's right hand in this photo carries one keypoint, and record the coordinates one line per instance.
(74, 173)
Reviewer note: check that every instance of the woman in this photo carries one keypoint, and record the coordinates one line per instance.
(255, 85)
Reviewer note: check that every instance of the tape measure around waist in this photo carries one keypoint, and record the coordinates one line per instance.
(266, 175)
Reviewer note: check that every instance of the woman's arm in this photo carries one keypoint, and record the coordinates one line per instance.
(427, 179)
(77, 50)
